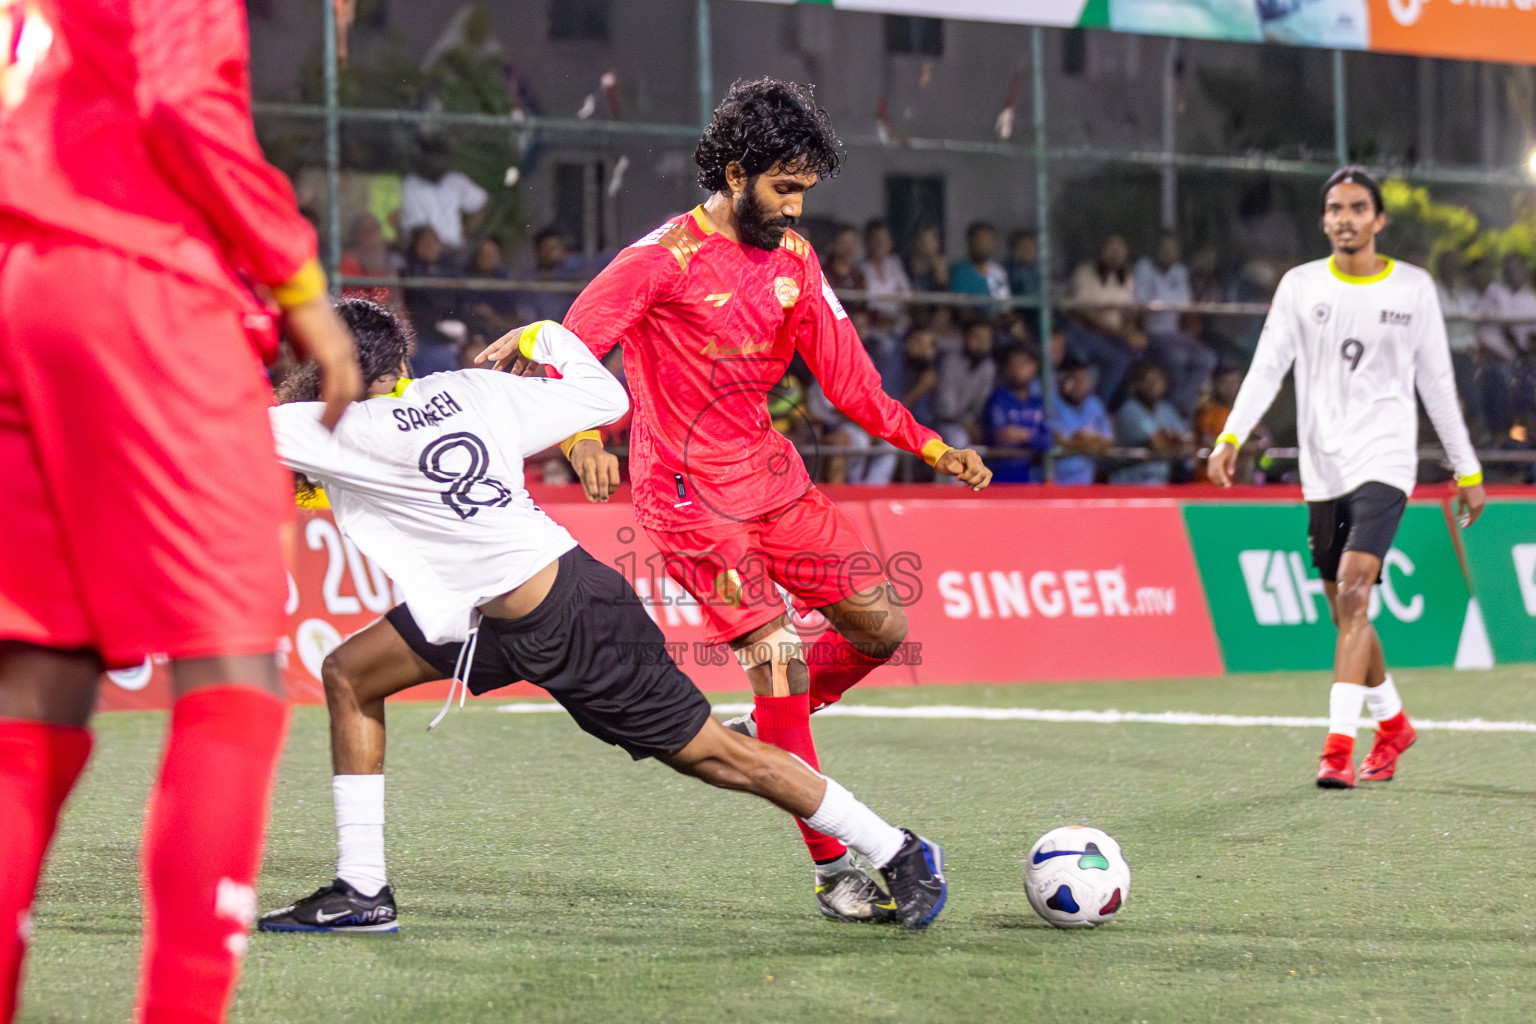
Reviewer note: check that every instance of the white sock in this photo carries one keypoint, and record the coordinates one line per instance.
(360, 831)
(1344, 704)
(1383, 700)
(843, 817)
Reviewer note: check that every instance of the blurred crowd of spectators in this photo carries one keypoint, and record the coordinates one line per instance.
(1137, 392)
(972, 371)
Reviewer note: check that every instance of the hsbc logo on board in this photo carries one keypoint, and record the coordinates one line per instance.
(1077, 593)
(1282, 593)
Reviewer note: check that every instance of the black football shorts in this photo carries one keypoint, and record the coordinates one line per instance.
(1365, 519)
(591, 644)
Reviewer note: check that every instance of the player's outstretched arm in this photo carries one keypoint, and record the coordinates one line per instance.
(586, 395)
(826, 338)
(966, 466)
(505, 354)
(607, 308)
(596, 467)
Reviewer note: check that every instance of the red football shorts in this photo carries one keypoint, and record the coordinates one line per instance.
(140, 497)
(734, 568)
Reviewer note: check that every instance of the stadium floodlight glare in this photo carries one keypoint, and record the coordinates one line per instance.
(1530, 164)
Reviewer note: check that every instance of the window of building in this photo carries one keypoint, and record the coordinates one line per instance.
(579, 212)
(906, 34)
(1074, 52)
(913, 203)
(579, 19)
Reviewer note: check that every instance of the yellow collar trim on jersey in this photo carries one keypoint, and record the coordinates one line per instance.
(314, 500)
(702, 219)
(1380, 275)
(400, 385)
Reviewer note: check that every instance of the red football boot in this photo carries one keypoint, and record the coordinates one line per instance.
(1336, 768)
(1393, 736)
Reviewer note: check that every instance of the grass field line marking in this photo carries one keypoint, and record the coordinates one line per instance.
(1111, 717)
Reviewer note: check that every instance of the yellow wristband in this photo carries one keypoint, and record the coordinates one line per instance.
(306, 285)
(525, 341)
(584, 435)
(1228, 438)
(934, 450)
(1470, 480)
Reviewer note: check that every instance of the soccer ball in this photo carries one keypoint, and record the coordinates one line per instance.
(1076, 877)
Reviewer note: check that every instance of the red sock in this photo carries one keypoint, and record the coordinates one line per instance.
(1338, 743)
(836, 665)
(39, 764)
(202, 846)
(786, 723)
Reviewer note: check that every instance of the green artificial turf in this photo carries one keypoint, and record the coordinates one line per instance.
(544, 877)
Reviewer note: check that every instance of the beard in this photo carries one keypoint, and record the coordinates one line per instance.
(754, 224)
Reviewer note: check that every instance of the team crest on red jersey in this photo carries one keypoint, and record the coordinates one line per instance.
(787, 291)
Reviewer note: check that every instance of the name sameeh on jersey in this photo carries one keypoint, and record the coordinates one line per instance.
(438, 408)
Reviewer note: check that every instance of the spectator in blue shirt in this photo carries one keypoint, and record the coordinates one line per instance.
(1015, 416)
(980, 273)
(1080, 424)
(1148, 420)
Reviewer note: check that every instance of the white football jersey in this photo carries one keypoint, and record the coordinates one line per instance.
(428, 481)
(1360, 346)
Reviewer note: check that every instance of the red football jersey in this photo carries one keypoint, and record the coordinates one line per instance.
(708, 326)
(129, 122)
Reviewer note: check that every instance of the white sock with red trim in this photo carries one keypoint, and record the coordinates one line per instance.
(843, 817)
(1345, 702)
(1383, 700)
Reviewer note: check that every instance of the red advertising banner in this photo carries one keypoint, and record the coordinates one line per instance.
(1049, 590)
(334, 591)
(1014, 584)
(999, 590)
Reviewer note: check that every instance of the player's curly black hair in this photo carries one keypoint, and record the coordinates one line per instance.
(764, 124)
(383, 341)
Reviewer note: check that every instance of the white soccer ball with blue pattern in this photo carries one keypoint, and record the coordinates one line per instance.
(1076, 877)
